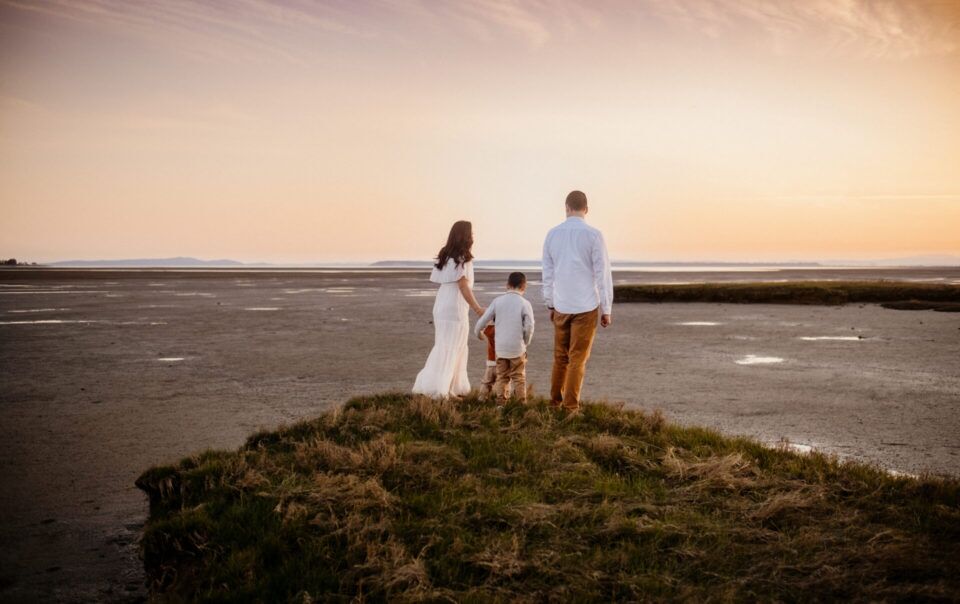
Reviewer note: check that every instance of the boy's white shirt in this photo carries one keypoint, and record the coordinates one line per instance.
(514, 318)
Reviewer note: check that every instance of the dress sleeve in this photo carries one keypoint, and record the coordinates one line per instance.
(451, 272)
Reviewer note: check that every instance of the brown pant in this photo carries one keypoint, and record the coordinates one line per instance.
(572, 340)
(512, 372)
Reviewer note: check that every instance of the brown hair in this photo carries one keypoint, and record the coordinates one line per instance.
(459, 244)
(577, 201)
(516, 280)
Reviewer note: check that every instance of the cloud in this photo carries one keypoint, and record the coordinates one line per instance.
(245, 30)
(873, 28)
(263, 30)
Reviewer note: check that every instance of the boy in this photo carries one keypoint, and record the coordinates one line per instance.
(514, 318)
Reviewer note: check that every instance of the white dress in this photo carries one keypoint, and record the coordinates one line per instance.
(445, 373)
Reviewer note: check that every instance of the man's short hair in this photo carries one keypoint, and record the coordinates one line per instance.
(516, 280)
(577, 201)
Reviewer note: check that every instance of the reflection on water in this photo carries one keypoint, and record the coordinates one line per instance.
(752, 359)
(51, 291)
(170, 359)
(833, 338)
(200, 294)
(38, 310)
(261, 308)
(83, 321)
(46, 322)
(700, 323)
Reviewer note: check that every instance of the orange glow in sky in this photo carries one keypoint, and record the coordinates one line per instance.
(295, 131)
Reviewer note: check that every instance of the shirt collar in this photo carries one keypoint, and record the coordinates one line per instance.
(578, 218)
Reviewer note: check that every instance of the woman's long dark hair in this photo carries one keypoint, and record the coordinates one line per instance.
(459, 244)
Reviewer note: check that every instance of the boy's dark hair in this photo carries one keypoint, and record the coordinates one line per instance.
(516, 280)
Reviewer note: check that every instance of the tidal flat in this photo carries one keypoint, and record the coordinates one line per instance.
(105, 373)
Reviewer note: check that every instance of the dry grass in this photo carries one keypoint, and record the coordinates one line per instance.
(402, 498)
(898, 295)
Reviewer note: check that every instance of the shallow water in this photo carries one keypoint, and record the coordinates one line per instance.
(752, 359)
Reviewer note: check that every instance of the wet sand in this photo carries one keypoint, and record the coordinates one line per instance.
(105, 373)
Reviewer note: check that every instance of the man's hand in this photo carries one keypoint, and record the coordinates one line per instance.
(552, 312)
(605, 320)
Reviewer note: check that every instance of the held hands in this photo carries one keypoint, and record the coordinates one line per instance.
(479, 310)
(606, 320)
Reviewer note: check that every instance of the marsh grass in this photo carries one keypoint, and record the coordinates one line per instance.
(402, 498)
(893, 294)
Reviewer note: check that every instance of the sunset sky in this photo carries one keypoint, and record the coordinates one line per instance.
(296, 131)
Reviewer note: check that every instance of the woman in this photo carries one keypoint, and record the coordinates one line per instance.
(445, 374)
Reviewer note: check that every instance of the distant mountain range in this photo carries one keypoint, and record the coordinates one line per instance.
(177, 262)
(188, 262)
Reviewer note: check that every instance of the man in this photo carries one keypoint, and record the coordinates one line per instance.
(578, 290)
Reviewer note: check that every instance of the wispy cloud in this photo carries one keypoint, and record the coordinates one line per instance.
(239, 29)
(275, 29)
(876, 28)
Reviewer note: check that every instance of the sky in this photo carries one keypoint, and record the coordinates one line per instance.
(296, 131)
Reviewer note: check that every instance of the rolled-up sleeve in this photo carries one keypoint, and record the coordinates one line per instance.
(602, 275)
(547, 269)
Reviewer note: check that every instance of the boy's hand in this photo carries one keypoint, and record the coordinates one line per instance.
(605, 320)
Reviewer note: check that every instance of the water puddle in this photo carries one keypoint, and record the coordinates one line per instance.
(752, 359)
(47, 322)
(79, 321)
(50, 291)
(305, 290)
(200, 294)
(170, 359)
(746, 338)
(832, 338)
(261, 308)
(38, 310)
(700, 323)
(138, 322)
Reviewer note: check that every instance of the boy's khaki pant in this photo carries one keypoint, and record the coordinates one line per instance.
(512, 373)
(572, 340)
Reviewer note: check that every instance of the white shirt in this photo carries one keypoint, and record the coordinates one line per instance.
(576, 269)
(514, 320)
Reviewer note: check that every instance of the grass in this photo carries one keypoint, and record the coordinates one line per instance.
(894, 294)
(403, 498)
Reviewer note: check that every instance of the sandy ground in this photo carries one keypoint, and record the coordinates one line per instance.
(85, 407)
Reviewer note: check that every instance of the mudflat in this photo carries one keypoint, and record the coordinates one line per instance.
(104, 373)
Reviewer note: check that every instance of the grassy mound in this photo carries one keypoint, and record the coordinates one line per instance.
(400, 498)
(796, 292)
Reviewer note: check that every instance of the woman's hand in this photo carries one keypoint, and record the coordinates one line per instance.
(479, 310)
